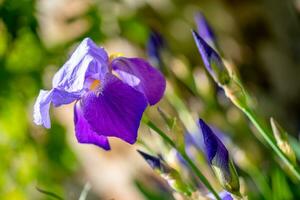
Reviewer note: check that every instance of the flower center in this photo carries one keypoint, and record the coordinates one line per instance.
(95, 84)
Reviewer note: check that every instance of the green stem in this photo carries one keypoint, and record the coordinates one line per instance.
(185, 157)
(265, 133)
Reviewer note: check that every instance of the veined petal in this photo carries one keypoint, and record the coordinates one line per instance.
(41, 109)
(84, 132)
(87, 61)
(115, 109)
(43, 101)
(151, 82)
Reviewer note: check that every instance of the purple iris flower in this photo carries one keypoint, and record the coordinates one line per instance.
(204, 29)
(110, 95)
(218, 158)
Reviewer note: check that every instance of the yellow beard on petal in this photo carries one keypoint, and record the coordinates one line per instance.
(95, 84)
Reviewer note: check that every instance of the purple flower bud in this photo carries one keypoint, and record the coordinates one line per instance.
(155, 46)
(166, 172)
(212, 60)
(154, 162)
(218, 158)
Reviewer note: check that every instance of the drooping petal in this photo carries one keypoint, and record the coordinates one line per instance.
(204, 29)
(84, 132)
(212, 61)
(43, 101)
(87, 61)
(151, 82)
(115, 109)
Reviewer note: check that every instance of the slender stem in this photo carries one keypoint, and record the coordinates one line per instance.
(185, 157)
(266, 135)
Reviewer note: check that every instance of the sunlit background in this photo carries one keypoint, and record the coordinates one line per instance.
(262, 38)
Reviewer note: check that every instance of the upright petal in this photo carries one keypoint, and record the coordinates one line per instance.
(115, 109)
(87, 61)
(84, 132)
(42, 104)
(151, 82)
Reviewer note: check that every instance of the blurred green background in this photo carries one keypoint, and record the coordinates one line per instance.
(36, 37)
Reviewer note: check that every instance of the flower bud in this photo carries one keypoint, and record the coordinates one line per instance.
(155, 45)
(219, 159)
(212, 61)
(172, 176)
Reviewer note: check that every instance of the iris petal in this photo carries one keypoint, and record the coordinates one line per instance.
(87, 61)
(152, 83)
(84, 132)
(115, 109)
(215, 149)
(218, 157)
(205, 30)
(42, 104)
(208, 54)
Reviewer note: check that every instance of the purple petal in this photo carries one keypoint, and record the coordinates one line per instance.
(204, 30)
(42, 104)
(215, 150)
(115, 110)
(84, 133)
(218, 158)
(224, 195)
(87, 62)
(211, 59)
(142, 76)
